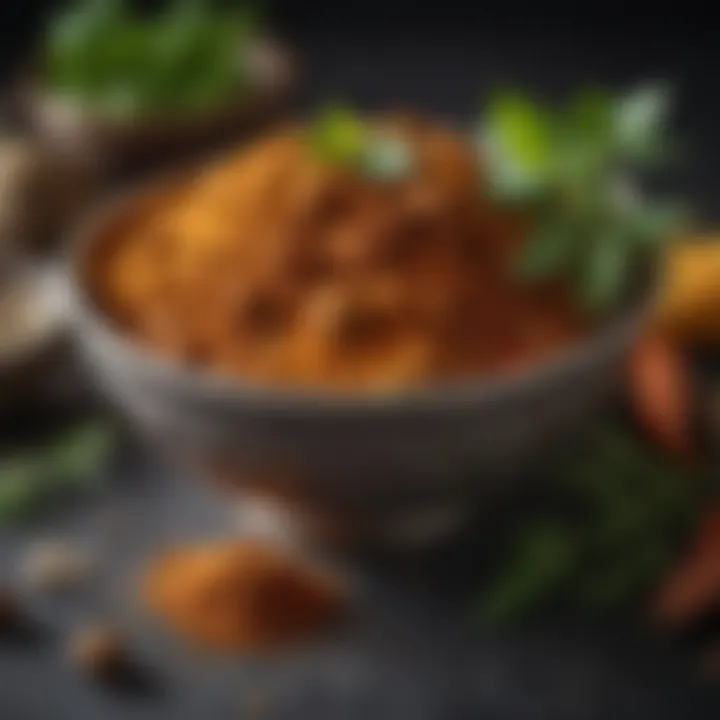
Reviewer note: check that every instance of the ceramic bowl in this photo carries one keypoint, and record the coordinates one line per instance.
(34, 314)
(396, 468)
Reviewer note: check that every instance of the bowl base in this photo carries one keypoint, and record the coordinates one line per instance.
(407, 529)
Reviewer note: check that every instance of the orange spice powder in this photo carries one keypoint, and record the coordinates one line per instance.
(275, 267)
(241, 596)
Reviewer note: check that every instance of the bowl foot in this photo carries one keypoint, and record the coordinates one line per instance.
(414, 528)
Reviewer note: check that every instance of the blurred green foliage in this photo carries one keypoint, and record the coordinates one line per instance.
(624, 513)
(31, 480)
(188, 58)
(574, 170)
(340, 137)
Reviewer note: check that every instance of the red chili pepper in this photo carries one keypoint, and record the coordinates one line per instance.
(692, 589)
(660, 388)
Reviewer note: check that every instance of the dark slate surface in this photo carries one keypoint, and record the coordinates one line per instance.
(410, 654)
(411, 651)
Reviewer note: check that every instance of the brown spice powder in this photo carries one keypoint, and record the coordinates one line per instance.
(241, 596)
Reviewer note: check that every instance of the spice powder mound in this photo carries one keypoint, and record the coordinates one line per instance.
(242, 596)
(276, 267)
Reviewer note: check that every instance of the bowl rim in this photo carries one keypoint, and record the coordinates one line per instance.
(46, 281)
(204, 384)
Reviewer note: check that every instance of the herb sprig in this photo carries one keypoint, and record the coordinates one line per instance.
(622, 520)
(186, 58)
(339, 136)
(32, 480)
(573, 169)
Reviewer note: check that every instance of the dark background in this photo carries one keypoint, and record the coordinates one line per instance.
(406, 15)
(443, 56)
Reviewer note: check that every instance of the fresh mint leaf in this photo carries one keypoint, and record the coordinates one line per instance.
(338, 136)
(516, 139)
(120, 102)
(589, 117)
(640, 122)
(657, 224)
(79, 456)
(23, 484)
(582, 137)
(509, 183)
(548, 252)
(545, 556)
(613, 519)
(607, 266)
(519, 130)
(187, 59)
(624, 577)
(568, 170)
(387, 159)
(34, 479)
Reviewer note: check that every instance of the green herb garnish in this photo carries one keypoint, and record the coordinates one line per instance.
(340, 137)
(544, 558)
(623, 515)
(188, 58)
(32, 480)
(570, 169)
(388, 159)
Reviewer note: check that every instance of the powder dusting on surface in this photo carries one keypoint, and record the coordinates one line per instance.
(241, 596)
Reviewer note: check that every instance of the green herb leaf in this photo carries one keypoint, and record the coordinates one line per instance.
(339, 136)
(30, 481)
(519, 130)
(563, 169)
(583, 136)
(640, 121)
(589, 119)
(621, 519)
(654, 225)
(77, 458)
(387, 159)
(511, 184)
(23, 483)
(624, 577)
(605, 271)
(187, 59)
(548, 252)
(516, 139)
(544, 557)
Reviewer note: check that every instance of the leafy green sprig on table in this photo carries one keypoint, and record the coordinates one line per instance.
(340, 137)
(573, 168)
(33, 479)
(624, 514)
(187, 58)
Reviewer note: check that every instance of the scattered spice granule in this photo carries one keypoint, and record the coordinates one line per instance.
(49, 565)
(11, 613)
(242, 596)
(98, 650)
